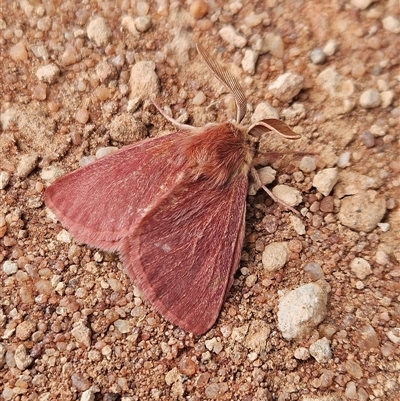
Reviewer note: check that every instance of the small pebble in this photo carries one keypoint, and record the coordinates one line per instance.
(302, 309)
(368, 139)
(321, 350)
(22, 358)
(382, 258)
(249, 61)
(331, 47)
(327, 204)
(286, 86)
(377, 130)
(99, 31)
(301, 353)
(314, 271)
(82, 333)
(142, 24)
(105, 151)
(325, 180)
(387, 98)
(198, 9)
(275, 256)
(199, 99)
(307, 164)
(48, 73)
(82, 116)
(351, 391)
(291, 196)
(122, 326)
(18, 52)
(187, 366)
(361, 268)
(9, 267)
(26, 165)
(298, 225)
(39, 91)
(88, 395)
(362, 211)
(142, 8)
(274, 44)
(370, 99)
(391, 24)
(354, 369)
(252, 20)
(216, 390)
(229, 35)
(317, 56)
(344, 159)
(143, 81)
(4, 179)
(262, 111)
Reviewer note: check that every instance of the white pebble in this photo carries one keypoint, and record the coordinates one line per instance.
(321, 350)
(266, 174)
(229, 35)
(382, 258)
(249, 61)
(307, 164)
(377, 130)
(385, 227)
(361, 268)
(199, 99)
(9, 267)
(317, 56)
(64, 236)
(298, 224)
(325, 180)
(286, 86)
(370, 99)
(99, 32)
(303, 309)
(26, 165)
(262, 111)
(105, 151)
(48, 73)
(391, 24)
(82, 333)
(387, 98)
(143, 81)
(122, 326)
(291, 196)
(301, 353)
(330, 47)
(88, 395)
(275, 256)
(142, 24)
(344, 159)
(4, 179)
(22, 357)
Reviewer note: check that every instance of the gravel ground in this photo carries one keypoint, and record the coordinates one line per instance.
(314, 311)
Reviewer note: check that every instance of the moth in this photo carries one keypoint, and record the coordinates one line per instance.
(173, 207)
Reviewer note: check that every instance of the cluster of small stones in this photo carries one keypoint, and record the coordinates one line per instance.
(315, 307)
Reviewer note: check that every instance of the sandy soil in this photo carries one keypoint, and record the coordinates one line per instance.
(73, 326)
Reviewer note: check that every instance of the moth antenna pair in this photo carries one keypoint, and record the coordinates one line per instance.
(231, 83)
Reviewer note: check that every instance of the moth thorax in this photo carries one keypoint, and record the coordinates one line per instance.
(219, 153)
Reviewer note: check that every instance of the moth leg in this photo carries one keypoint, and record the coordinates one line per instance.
(259, 184)
(180, 126)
